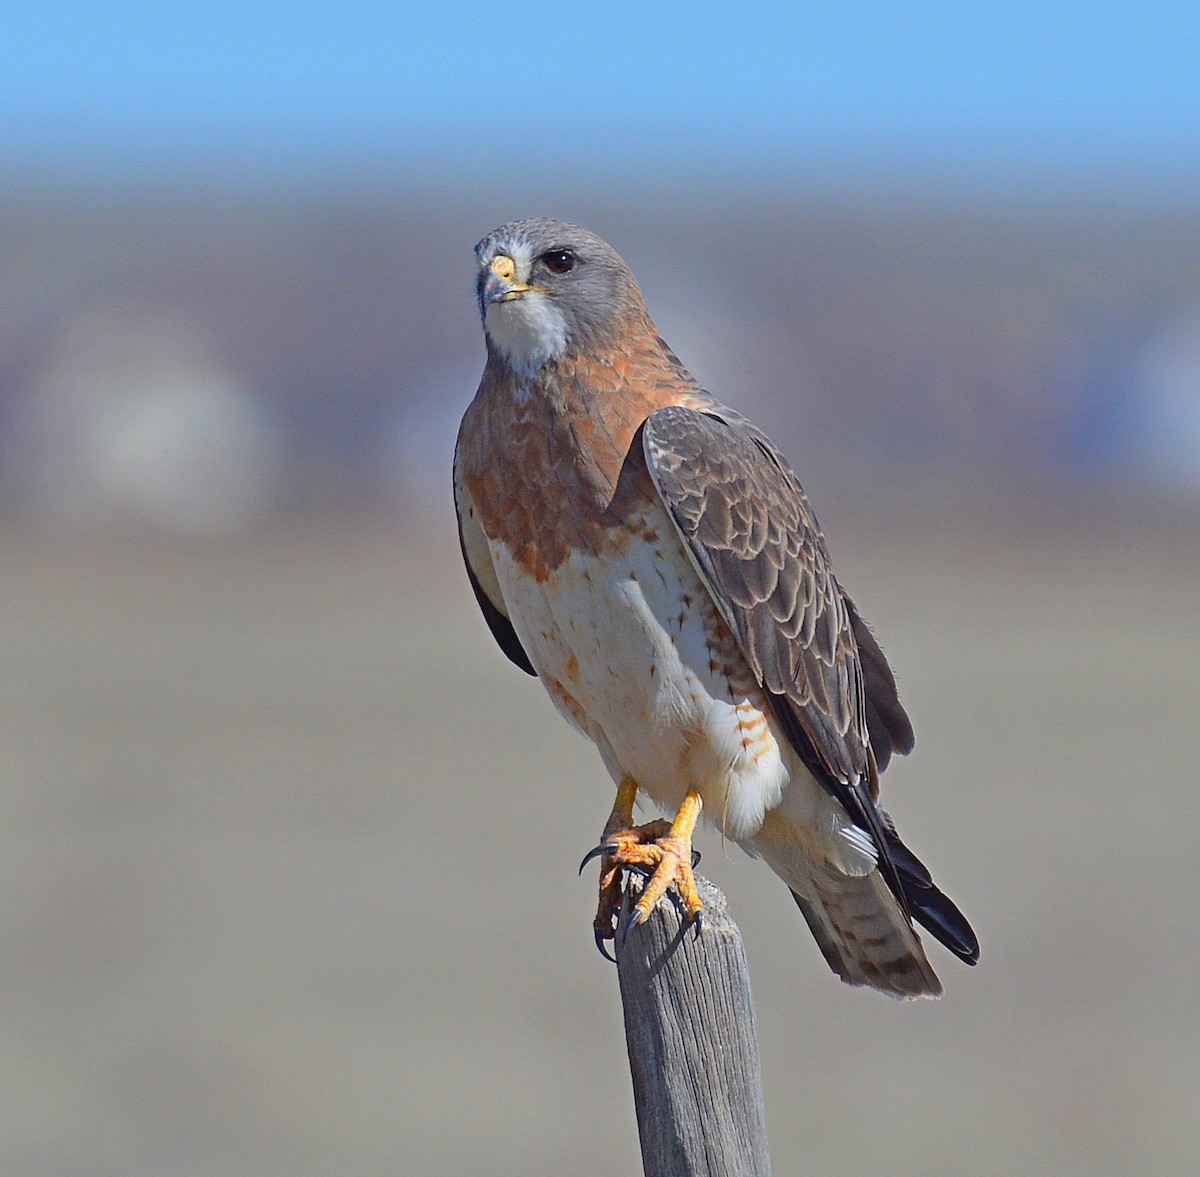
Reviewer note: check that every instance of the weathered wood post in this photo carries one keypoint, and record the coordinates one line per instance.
(693, 1043)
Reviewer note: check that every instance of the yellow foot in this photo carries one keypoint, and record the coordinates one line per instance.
(661, 851)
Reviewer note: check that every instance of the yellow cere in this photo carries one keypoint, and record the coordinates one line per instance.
(504, 267)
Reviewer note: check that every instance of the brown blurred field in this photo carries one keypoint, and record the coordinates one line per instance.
(289, 871)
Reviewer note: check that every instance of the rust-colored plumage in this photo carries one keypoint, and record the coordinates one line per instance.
(547, 459)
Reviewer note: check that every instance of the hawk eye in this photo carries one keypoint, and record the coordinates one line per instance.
(558, 261)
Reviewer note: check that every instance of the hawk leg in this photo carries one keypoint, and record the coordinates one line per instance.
(658, 849)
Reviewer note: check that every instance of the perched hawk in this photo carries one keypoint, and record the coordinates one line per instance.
(651, 557)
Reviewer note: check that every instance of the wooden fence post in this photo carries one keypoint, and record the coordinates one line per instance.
(693, 1044)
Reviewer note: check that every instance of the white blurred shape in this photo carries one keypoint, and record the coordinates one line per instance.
(134, 418)
(1167, 388)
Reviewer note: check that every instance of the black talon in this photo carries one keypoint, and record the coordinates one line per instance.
(695, 859)
(699, 923)
(600, 945)
(596, 852)
(631, 921)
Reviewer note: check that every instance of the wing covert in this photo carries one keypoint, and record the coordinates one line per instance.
(747, 525)
(749, 529)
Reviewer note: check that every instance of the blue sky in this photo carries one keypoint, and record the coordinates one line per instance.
(763, 90)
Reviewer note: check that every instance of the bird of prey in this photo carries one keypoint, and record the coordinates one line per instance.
(649, 555)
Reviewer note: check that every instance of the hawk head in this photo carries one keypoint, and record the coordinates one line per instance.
(548, 289)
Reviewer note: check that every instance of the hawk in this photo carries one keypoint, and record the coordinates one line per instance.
(649, 555)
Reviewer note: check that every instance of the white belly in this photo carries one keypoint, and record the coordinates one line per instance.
(632, 652)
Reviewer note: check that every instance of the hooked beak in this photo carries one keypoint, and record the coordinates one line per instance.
(497, 284)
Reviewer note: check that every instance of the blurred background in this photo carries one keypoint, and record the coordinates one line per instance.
(289, 848)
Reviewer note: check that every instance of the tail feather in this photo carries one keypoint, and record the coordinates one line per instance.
(864, 935)
(862, 918)
(856, 920)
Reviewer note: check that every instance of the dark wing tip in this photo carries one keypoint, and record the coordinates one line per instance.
(928, 905)
(887, 721)
(501, 627)
(939, 916)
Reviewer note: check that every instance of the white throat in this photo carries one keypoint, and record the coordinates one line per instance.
(528, 331)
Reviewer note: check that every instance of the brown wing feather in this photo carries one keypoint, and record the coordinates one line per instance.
(749, 529)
